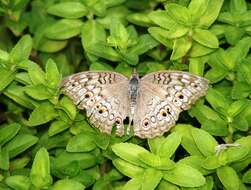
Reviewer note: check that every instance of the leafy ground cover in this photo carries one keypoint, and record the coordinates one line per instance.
(46, 143)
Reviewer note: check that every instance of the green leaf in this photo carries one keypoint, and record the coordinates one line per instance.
(7, 77)
(38, 92)
(247, 177)
(145, 43)
(102, 140)
(161, 35)
(204, 141)
(51, 46)
(199, 50)
(92, 33)
(236, 107)
(23, 78)
(233, 34)
(240, 90)
(197, 163)
(244, 71)
(4, 56)
(99, 66)
(128, 169)
(169, 145)
(129, 58)
(98, 7)
(133, 184)
(177, 33)
(236, 54)
(206, 38)
(82, 142)
(187, 141)
(19, 182)
(162, 19)
(44, 113)
(197, 8)
(239, 6)
(68, 10)
(180, 48)
(66, 184)
(217, 100)
(156, 161)
(8, 132)
(22, 49)
(129, 152)
(196, 66)
(228, 178)
(57, 127)
(165, 185)
(52, 75)
(211, 14)
(20, 143)
(151, 179)
(234, 154)
(4, 159)
(16, 93)
(68, 106)
(119, 34)
(36, 74)
(70, 163)
(212, 162)
(185, 176)
(64, 29)
(179, 13)
(19, 163)
(138, 18)
(103, 51)
(40, 170)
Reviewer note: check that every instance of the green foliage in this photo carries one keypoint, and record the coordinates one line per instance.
(47, 143)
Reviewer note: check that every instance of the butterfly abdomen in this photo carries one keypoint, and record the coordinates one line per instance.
(133, 92)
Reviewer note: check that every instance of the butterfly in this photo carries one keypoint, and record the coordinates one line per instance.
(152, 103)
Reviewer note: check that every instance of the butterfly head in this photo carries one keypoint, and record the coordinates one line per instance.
(134, 75)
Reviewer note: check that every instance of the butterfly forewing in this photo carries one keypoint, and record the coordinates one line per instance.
(180, 88)
(103, 95)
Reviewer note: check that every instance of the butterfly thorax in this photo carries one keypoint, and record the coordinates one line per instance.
(133, 91)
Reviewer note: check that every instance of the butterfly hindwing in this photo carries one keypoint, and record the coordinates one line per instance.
(97, 93)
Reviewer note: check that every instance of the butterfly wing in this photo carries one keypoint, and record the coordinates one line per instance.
(103, 95)
(163, 95)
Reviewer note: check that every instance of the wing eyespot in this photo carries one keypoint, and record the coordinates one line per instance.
(180, 96)
(118, 121)
(146, 123)
(163, 113)
(88, 95)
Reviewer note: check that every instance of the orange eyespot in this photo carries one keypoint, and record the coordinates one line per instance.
(88, 95)
(118, 121)
(146, 122)
(180, 96)
(102, 110)
(163, 113)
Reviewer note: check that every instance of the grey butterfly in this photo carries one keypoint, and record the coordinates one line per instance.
(152, 103)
